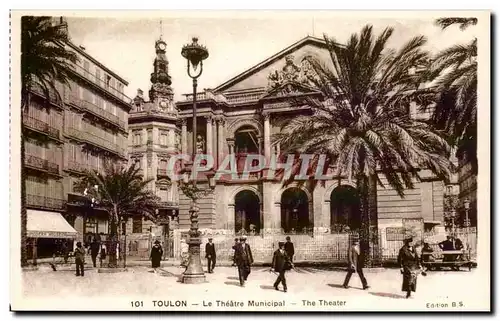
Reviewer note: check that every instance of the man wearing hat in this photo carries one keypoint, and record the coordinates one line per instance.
(410, 266)
(79, 259)
(243, 257)
(156, 255)
(281, 263)
(355, 264)
(210, 255)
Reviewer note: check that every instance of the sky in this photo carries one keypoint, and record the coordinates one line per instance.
(236, 42)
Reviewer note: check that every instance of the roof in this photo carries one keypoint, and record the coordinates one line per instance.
(302, 42)
(95, 61)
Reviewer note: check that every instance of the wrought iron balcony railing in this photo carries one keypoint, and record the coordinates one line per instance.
(44, 202)
(40, 126)
(102, 84)
(52, 95)
(101, 142)
(96, 110)
(41, 164)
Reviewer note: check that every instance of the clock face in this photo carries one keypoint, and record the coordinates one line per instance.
(163, 104)
(162, 46)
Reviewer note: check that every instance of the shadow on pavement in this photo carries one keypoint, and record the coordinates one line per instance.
(340, 286)
(232, 283)
(267, 287)
(388, 295)
(233, 278)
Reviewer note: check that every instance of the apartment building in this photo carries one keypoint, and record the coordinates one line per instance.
(84, 129)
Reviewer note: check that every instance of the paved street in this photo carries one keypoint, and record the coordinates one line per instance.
(223, 284)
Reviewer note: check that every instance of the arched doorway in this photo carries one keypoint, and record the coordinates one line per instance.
(247, 213)
(345, 214)
(245, 143)
(294, 211)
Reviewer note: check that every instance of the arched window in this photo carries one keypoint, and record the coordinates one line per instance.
(295, 211)
(345, 214)
(247, 218)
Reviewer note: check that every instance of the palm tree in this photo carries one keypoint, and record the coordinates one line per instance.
(123, 193)
(44, 60)
(364, 127)
(455, 70)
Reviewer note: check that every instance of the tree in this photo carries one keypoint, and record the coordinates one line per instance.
(44, 60)
(455, 70)
(364, 126)
(123, 193)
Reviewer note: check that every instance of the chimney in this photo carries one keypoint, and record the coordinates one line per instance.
(140, 93)
(82, 47)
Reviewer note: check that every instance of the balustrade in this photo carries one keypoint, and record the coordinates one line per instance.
(40, 126)
(44, 202)
(42, 164)
(96, 110)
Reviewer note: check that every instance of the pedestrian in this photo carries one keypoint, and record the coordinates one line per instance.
(281, 263)
(210, 255)
(410, 266)
(156, 255)
(79, 259)
(236, 242)
(355, 264)
(243, 258)
(290, 250)
(94, 251)
(102, 254)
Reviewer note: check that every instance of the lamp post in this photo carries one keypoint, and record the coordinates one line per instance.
(467, 224)
(194, 54)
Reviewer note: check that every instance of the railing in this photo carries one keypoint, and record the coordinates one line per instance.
(243, 98)
(101, 142)
(41, 126)
(96, 110)
(42, 164)
(89, 76)
(79, 167)
(44, 202)
(52, 95)
(165, 204)
(230, 98)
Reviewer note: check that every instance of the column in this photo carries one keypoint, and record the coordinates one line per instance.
(220, 140)
(230, 218)
(231, 146)
(267, 137)
(184, 136)
(209, 135)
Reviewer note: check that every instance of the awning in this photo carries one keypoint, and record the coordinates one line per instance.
(44, 224)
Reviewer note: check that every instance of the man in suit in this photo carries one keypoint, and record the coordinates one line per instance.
(281, 263)
(94, 251)
(290, 250)
(355, 264)
(210, 255)
(243, 257)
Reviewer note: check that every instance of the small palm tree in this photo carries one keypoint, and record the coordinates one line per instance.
(455, 70)
(44, 60)
(364, 127)
(123, 193)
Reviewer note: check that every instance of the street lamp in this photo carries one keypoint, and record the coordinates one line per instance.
(467, 224)
(194, 54)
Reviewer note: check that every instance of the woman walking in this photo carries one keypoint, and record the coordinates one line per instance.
(156, 255)
(410, 266)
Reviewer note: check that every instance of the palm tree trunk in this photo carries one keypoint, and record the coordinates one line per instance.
(368, 237)
(112, 242)
(24, 214)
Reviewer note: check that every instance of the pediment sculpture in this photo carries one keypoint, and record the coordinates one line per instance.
(290, 77)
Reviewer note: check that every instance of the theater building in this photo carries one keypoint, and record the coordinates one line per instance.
(240, 116)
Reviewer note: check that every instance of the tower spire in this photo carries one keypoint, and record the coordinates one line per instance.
(161, 29)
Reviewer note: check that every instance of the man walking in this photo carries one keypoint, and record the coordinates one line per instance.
(281, 263)
(236, 242)
(210, 255)
(290, 250)
(79, 259)
(355, 264)
(243, 257)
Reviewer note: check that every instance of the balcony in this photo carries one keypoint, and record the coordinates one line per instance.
(77, 167)
(52, 95)
(41, 164)
(97, 111)
(102, 143)
(40, 126)
(44, 202)
(101, 84)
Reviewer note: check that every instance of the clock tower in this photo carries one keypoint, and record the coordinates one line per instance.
(153, 138)
(161, 93)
